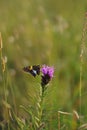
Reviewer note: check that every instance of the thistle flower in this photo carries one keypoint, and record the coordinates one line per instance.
(47, 74)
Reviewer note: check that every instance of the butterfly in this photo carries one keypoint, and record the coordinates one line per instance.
(33, 70)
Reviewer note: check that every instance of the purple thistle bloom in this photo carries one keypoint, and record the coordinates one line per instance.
(46, 70)
(47, 74)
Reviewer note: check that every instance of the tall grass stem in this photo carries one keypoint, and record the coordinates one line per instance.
(82, 57)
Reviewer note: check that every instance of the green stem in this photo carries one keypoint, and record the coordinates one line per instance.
(41, 106)
(80, 88)
(81, 57)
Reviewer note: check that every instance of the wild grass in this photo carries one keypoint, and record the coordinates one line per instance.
(43, 32)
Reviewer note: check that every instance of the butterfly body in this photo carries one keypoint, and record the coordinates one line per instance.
(33, 70)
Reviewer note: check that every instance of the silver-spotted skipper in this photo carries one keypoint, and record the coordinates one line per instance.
(33, 70)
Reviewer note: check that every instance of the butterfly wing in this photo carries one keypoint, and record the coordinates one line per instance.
(37, 69)
(33, 70)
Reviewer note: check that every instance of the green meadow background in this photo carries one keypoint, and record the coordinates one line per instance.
(42, 32)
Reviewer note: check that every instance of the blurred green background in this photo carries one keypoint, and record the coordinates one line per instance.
(43, 32)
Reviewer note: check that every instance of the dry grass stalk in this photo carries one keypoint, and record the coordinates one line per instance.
(4, 61)
(63, 113)
(83, 127)
(75, 119)
(1, 46)
(81, 57)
